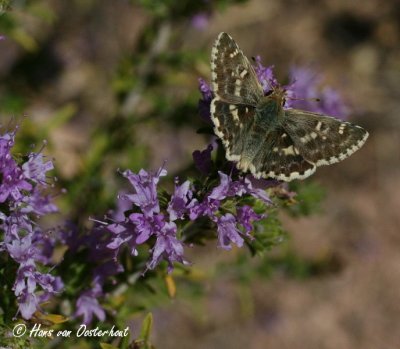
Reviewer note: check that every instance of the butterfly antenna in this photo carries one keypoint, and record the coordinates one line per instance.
(304, 99)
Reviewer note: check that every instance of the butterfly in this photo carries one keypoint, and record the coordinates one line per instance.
(262, 137)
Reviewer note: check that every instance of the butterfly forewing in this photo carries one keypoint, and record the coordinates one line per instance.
(233, 77)
(321, 139)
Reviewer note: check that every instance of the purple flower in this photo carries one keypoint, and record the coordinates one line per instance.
(256, 188)
(202, 159)
(205, 90)
(22, 250)
(200, 21)
(38, 203)
(205, 101)
(245, 216)
(13, 183)
(208, 207)
(25, 287)
(228, 232)
(35, 169)
(307, 85)
(167, 247)
(44, 243)
(123, 233)
(145, 185)
(123, 205)
(100, 254)
(139, 227)
(180, 200)
(226, 188)
(95, 243)
(28, 304)
(6, 143)
(146, 226)
(229, 188)
(227, 224)
(87, 305)
(265, 75)
(51, 284)
(24, 241)
(332, 103)
(152, 222)
(304, 82)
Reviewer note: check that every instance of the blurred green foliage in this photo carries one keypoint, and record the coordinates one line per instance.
(308, 197)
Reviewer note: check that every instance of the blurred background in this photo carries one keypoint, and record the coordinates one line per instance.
(113, 84)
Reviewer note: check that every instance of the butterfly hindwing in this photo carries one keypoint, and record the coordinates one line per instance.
(233, 77)
(278, 158)
(321, 139)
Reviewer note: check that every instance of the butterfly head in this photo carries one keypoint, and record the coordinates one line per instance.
(278, 94)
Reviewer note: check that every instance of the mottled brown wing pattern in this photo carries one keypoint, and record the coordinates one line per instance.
(233, 77)
(321, 139)
(279, 158)
(231, 123)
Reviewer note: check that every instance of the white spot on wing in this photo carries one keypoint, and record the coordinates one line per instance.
(290, 150)
(308, 137)
(284, 177)
(245, 164)
(232, 157)
(243, 73)
(238, 86)
(214, 57)
(234, 111)
(233, 54)
(341, 128)
(215, 119)
(349, 151)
